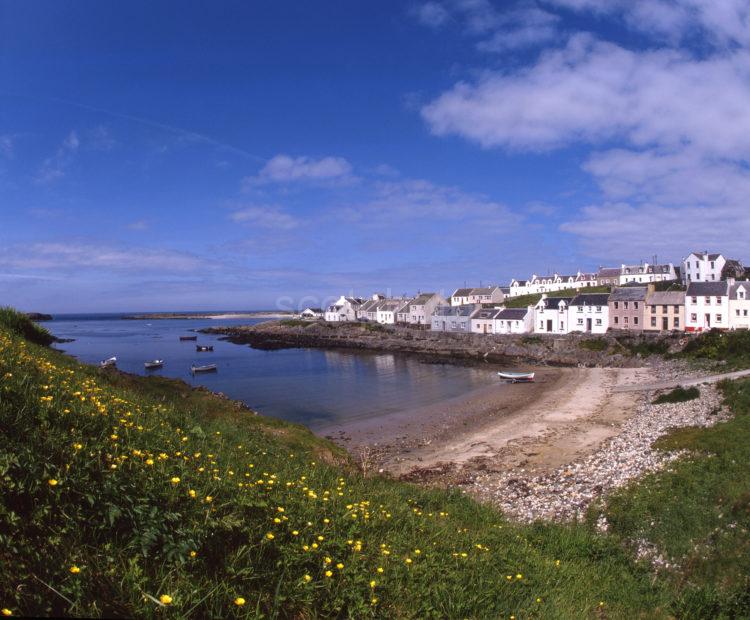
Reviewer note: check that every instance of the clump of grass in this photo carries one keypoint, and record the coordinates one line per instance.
(531, 340)
(644, 346)
(522, 301)
(373, 327)
(678, 395)
(697, 513)
(18, 323)
(731, 348)
(594, 344)
(136, 497)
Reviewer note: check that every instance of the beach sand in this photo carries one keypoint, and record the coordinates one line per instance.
(567, 413)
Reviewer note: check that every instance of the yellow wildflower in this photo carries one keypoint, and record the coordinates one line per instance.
(239, 601)
(329, 573)
(307, 578)
(165, 599)
(373, 583)
(149, 461)
(193, 554)
(339, 566)
(74, 569)
(270, 536)
(192, 493)
(52, 482)
(5, 611)
(175, 480)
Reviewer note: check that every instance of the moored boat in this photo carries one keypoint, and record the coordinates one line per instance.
(517, 377)
(188, 337)
(203, 347)
(205, 368)
(154, 364)
(111, 361)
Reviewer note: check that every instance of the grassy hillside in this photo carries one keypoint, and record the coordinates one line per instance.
(531, 300)
(127, 496)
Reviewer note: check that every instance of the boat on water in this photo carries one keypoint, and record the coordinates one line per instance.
(203, 347)
(517, 377)
(205, 368)
(188, 337)
(154, 364)
(111, 361)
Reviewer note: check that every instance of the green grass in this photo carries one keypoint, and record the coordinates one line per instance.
(522, 301)
(698, 514)
(594, 344)
(644, 345)
(731, 348)
(18, 323)
(678, 395)
(165, 490)
(531, 340)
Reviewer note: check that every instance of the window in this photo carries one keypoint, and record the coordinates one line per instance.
(635, 305)
(665, 309)
(694, 300)
(744, 313)
(653, 309)
(718, 318)
(676, 308)
(541, 325)
(713, 265)
(617, 305)
(626, 320)
(580, 321)
(617, 320)
(626, 305)
(598, 321)
(635, 320)
(653, 321)
(708, 301)
(580, 309)
(676, 321)
(738, 312)
(693, 317)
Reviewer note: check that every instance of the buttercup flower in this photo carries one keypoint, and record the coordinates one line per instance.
(239, 601)
(74, 569)
(52, 482)
(165, 599)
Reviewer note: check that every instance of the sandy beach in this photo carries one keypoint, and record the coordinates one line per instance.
(566, 414)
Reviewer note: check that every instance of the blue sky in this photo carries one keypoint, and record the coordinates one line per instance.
(165, 155)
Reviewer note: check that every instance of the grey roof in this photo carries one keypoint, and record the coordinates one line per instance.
(318, 310)
(355, 301)
(609, 272)
(554, 302)
(666, 298)
(462, 292)
(590, 299)
(735, 287)
(422, 299)
(521, 282)
(630, 293)
(716, 289)
(512, 314)
(487, 313)
(705, 256)
(485, 290)
(465, 310)
(369, 306)
(505, 290)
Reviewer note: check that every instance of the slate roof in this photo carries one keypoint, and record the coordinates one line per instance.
(630, 293)
(590, 299)
(609, 272)
(666, 298)
(462, 292)
(465, 310)
(705, 256)
(512, 314)
(707, 289)
(487, 313)
(735, 287)
(554, 302)
(422, 299)
(484, 290)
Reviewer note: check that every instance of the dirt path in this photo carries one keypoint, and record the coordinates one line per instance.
(666, 385)
(569, 420)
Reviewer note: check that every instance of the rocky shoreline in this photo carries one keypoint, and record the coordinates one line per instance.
(569, 350)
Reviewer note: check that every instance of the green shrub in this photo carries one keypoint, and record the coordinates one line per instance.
(678, 395)
(731, 348)
(594, 344)
(531, 340)
(644, 346)
(18, 323)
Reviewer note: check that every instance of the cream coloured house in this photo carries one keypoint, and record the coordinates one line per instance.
(739, 305)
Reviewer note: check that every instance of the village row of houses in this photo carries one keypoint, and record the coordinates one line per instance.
(704, 305)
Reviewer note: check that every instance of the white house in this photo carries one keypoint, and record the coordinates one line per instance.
(345, 309)
(739, 305)
(420, 309)
(551, 283)
(707, 306)
(367, 311)
(551, 315)
(589, 312)
(702, 267)
(515, 320)
(311, 314)
(518, 288)
(481, 295)
(388, 310)
(645, 273)
(483, 320)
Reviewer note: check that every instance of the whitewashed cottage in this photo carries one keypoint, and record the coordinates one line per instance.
(707, 306)
(515, 320)
(589, 313)
(551, 315)
(739, 305)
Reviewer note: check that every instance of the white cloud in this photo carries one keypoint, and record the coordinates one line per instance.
(266, 216)
(285, 169)
(432, 14)
(54, 168)
(57, 257)
(6, 147)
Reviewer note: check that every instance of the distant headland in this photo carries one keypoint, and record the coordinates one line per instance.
(263, 314)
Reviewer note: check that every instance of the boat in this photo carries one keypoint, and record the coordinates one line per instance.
(112, 361)
(188, 337)
(206, 368)
(517, 377)
(203, 347)
(154, 364)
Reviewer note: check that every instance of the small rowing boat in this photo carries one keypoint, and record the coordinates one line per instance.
(517, 377)
(112, 361)
(206, 368)
(188, 337)
(154, 364)
(201, 347)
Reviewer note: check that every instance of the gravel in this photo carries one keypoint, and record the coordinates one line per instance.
(565, 493)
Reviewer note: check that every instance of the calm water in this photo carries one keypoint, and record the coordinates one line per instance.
(315, 387)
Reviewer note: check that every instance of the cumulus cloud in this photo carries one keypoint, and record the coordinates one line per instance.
(266, 216)
(286, 169)
(432, 14)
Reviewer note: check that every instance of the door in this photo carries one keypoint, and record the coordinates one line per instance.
(485, 328)
(549, 325)
(708, 321)
(588, 325)
(665, 323)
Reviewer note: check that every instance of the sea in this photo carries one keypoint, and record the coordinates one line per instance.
(315, 387)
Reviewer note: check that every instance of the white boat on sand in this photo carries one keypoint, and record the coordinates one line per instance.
(517, 377)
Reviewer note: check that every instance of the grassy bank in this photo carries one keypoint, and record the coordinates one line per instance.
(531, 300)
(127, 496)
